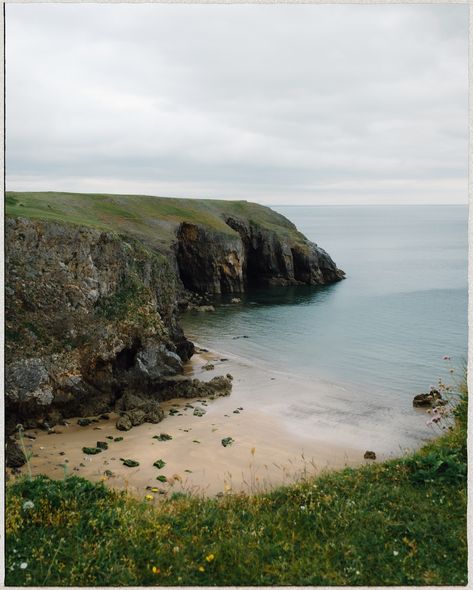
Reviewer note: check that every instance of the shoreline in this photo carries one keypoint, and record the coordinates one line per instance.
(265, 453)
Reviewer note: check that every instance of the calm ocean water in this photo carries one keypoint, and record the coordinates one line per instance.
(382, 333)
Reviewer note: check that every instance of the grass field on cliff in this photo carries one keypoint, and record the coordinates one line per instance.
(402, 522)
(151, 218)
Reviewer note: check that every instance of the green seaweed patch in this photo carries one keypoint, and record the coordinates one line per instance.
(159, 463)
(118, 439)
(227, 441)
(129, 462)
(162, 478)
(91, 450)
(163, 437)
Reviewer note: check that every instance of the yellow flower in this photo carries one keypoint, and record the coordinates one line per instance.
(201, 568)
(155, 570)
(210, 557)
(149, 497)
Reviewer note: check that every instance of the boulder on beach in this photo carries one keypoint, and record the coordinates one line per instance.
(124, 423)
(136, 410)
(428, 400)
(14, 456)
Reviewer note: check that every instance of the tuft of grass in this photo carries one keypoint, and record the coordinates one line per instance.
(402, 522)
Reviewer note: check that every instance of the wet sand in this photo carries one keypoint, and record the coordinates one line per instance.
(265, 452)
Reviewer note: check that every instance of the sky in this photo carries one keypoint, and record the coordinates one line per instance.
(279, 104)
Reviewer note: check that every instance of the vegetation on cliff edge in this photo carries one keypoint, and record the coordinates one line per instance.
(152, 219)
(402, 522)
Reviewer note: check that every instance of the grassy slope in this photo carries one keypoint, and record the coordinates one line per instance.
(151, 218)
(401, 522)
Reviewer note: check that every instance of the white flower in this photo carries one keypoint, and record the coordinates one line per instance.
(395, 553)
(23, 565)
(28, 505)
(303, 507)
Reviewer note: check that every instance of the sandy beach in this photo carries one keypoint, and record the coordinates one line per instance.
(264, 453)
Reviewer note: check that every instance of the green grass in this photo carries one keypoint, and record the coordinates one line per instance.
(152, 219)
(402, 522)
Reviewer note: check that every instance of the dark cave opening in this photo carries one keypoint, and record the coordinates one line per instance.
(125, 359)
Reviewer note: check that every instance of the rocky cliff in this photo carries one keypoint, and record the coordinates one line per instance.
(210, 261)
(92, 285)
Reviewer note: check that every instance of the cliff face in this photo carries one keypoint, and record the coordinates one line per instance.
(89, 315)
(209, 261)
(252, 255)
(92, 284)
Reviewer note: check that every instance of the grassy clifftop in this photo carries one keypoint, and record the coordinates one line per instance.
(152, 219)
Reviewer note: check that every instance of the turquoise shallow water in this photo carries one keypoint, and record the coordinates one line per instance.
(383, 332)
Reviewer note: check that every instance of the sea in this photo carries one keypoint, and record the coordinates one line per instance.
(392, 329)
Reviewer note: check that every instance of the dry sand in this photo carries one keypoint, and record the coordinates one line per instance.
(265, 452)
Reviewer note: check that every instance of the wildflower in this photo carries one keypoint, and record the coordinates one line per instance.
(395, 553)
(155, 570)
(23, 565)
(210, 557)
(201, 568)
(149, 497)
(28, 505)
(303, 507)
(175, 549)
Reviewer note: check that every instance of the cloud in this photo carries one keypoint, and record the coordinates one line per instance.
(274, 103)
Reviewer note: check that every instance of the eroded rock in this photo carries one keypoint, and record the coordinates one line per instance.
(136, 410)
(428, 400)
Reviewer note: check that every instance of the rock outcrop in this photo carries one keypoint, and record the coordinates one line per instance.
(215, 262)
(92, 299)
(429, 400)
(89, 316)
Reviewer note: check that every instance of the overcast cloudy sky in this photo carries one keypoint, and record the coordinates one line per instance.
(282, 104)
